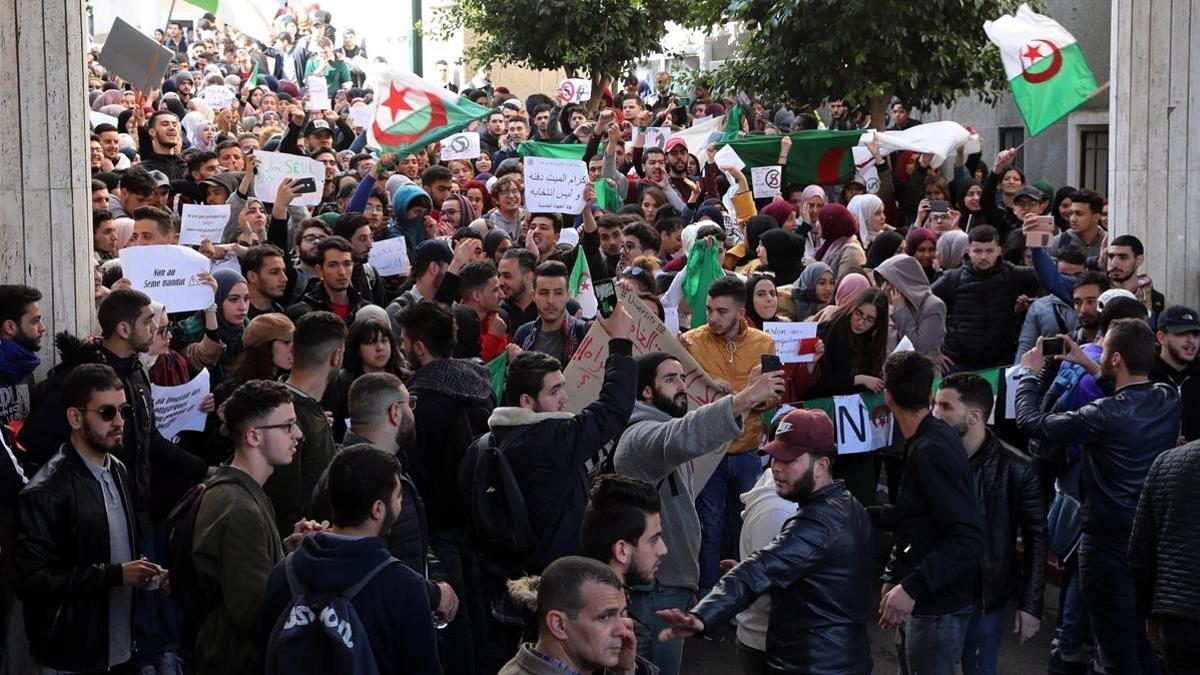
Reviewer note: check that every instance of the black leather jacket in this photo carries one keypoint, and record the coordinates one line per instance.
(1121, 436)
(819, 571)
(63, 573)
(1010, 496)
(1163, 550)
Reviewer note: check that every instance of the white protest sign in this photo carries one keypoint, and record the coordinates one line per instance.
(97, 118)
(569, 237)
(765, 181)
(318, 99)
(865, 169)
(361, 116)
(700, 120)
(905, 345)
(727, 156)
(858, 428)
(273, 167)
(575, 90)
(217, 96)
(555, 185)
(657, 136)
(671, 318)
(585, 373)
(389, 257)
(788, 336)
(230, 262)
(177, 409)
(461, 146)
(1012, 378)
(200, 221)
(169, 274)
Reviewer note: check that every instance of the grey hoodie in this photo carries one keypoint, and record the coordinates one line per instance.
(922, 319)
(762, 520)
(658, 448)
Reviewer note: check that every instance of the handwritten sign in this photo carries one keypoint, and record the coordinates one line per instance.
(461, 146)
(656, 137)
(273, 167)
(555, 185)
(169, 274)
(177, 409)
(361, 116)
(765, 180)
(787, 336)
(217, 96)
(575, 90)
(585, 373)
(200, 221)
(390, 256)
(860, 428)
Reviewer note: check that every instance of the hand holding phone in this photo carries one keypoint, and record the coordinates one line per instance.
(938, 206)
(1052, 346)
(606, 297)
(771, 363)
(304, 185)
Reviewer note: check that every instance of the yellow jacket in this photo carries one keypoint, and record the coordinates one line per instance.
(732, 360)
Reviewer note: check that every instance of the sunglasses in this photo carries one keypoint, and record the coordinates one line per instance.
(109, 412)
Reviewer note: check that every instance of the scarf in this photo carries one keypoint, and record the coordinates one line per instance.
(16, 361)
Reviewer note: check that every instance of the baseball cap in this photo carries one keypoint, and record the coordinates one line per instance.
(1030, 192)
(1179, 319)
(1112, 293)
(317, 127)
(673, 143)
(800, 431)
(434, 250)
(160, 179)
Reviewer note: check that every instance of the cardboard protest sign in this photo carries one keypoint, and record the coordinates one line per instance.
(177, 409)
(217, 96)
(134, 56)
(789, 336)
(461, 146)
(273, 167)
(575, 90)
(585, 373)
(766, 181)
(168, 274)
(555, 185)
(390, 256)
(200, 221)
(860, 427)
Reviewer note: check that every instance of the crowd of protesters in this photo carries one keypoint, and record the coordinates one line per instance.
(365, 492)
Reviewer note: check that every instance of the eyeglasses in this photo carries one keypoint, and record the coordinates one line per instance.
(862, 317)
(372, 209)
(289, 425)
(109, 412)
(312, 239)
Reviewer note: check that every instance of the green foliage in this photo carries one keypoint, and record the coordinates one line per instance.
(929, 53)
(600, 38)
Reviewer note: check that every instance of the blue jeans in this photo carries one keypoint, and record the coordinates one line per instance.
(720, 509)
(1075, 631)
(1121, 644)
(933, 644)
(643, 606)
(981, 647)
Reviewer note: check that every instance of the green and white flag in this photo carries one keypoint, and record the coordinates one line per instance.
(1047, 73)
(413, 113)
(580, 286)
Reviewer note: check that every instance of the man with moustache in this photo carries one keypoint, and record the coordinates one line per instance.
(160, 143)
(658, 446)
(516, 284)
(21, 331)
(1178, 339)
(818, 570)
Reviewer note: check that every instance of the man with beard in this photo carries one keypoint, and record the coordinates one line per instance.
(77, 543)
(266, 272)
(658, 446)
(818, 570)
(1178, 339)
(1121, 435)
(1125, 257)
(310, 233)
(21, 331)
(677, 161)
(366, 487)
(160, 143)
(334, 293)
(356, 229)
(516, 284)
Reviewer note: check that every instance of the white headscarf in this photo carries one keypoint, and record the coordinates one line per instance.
(862, 207)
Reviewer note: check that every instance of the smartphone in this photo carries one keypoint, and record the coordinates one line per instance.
(1045, 222)
(606, 297)
(770, 363)
(1052, 346)
(938, 206)
(304, 185)
(1040, 236)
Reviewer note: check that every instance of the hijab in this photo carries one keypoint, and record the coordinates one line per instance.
(804, 299)
(412, 229)
(950, 247)
(779, 209)
(756, 226)
(492, 241)
(784, 254)
(863, 208)
(468, 212)
(751, 313)
(231, 333)
(849, 287)
(884, 247)
(837, 227)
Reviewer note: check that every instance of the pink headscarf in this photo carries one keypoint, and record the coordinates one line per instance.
(812, 191)
(849, 287)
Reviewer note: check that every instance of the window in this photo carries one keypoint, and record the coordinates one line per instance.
(1013, 137)
(1093, 159)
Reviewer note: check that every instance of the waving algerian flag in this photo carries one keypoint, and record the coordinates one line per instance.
(1045, 68)
(580, 286)
(413, 112)
(252, 17)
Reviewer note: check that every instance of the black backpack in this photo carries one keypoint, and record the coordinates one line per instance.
(181, 532)
(497, 508)
(321, 632)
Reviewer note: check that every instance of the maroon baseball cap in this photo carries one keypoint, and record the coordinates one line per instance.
(800, 431)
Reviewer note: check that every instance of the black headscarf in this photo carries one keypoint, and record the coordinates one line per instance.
(754, 230)
(883, 247)
(785, 253)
